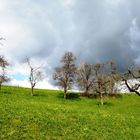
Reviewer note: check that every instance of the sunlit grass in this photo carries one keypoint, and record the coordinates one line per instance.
(48, 116)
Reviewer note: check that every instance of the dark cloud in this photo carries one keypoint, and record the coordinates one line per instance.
(95, 31)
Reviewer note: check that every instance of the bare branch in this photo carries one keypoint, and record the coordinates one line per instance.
(65, 74)
(35, 75)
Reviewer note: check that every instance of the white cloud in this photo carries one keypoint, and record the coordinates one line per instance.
(18, 68)
(25, 83)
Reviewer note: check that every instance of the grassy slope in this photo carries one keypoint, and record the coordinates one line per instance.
(49, 116)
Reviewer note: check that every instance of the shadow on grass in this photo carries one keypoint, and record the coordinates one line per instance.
(95, 96)
(70, 96)
(105, 104)
(115, 95)
(39, 94)
(5, 92)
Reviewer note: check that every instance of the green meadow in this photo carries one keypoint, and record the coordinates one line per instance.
(47, 116)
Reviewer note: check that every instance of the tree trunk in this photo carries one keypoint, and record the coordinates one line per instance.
(65, 93)
(101, 99)
(112, 89)
(86, 92)
(101, 95)
(32, 91)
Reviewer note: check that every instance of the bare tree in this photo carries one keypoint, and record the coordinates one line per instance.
(113, 77)
(85, 78)
(35, 75)
(105, 79)
(131, 79)
(65, 74)
(3, 65)
(100, 81)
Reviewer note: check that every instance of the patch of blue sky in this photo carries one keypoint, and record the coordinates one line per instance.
(19, 76)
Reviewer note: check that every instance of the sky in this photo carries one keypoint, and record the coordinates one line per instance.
(94, 30)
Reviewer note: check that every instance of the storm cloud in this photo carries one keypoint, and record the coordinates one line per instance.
(93, 30)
